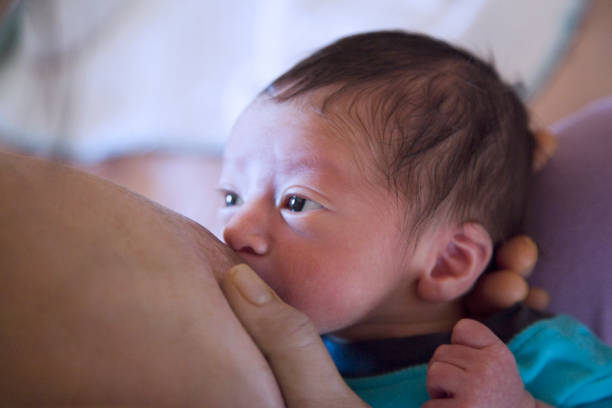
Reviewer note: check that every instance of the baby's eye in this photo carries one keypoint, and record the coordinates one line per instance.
(300, 204)
(232, 199)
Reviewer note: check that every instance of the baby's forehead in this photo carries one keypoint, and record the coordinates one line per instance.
(307, 135)
(325, 113)
(347, 116)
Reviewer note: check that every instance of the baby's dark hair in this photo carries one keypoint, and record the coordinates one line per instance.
(446, 132)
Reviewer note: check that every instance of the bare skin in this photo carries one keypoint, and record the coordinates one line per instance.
(110, 300)
(476, 370)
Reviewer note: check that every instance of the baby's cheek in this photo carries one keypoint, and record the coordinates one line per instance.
(332, 300)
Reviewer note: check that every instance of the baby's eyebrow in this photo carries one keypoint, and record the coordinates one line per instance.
(307, 164)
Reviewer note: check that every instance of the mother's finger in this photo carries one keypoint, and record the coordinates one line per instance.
(303, 368)
(518, 254)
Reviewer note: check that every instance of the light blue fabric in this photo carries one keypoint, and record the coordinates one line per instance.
(560, 360)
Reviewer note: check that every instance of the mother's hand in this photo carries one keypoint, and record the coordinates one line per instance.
(514, 260)
(303, 368)
(507, 284)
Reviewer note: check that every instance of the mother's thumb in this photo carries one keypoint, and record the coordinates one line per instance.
(290, 342)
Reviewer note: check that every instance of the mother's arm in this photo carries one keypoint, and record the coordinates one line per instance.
(106, 298)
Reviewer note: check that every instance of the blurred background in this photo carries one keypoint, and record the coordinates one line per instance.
(144, 92)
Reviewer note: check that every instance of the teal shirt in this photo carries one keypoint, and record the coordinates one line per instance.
(560, 361)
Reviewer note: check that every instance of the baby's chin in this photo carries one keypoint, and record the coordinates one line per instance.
(325, 319)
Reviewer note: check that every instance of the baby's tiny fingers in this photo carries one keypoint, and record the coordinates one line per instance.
(458, 355)
(471, 333)
(444, 380)
(442, 403)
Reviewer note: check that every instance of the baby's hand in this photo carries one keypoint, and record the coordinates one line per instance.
(475, 370)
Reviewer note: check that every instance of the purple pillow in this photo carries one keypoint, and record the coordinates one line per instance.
(570, 217)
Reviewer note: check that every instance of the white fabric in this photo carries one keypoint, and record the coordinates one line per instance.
(91, 79)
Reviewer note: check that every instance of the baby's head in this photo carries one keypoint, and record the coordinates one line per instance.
(369, 183)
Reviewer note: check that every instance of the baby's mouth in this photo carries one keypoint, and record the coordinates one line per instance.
(253, 262)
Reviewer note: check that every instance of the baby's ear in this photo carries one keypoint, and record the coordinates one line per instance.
(462, 255)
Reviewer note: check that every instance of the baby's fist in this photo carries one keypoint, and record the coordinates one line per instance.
(476, 370)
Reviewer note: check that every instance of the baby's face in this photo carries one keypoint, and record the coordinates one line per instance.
(299, 210)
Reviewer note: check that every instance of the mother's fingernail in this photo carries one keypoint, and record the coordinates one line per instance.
(250, 286)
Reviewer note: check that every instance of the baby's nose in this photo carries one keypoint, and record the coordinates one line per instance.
(246, 233)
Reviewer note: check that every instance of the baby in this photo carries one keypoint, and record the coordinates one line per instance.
(368, 186)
